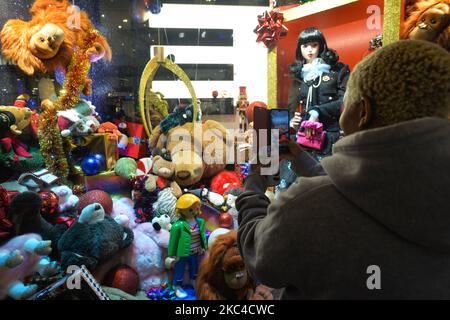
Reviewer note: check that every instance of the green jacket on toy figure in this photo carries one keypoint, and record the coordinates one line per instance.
(180, 238)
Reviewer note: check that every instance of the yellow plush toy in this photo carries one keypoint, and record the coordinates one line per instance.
(16, 118)
(195, 155)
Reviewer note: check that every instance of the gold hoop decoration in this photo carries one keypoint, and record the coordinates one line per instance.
(148, 75)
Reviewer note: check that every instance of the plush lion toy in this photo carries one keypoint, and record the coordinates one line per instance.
(223, 276)
(46, 42)
(428, 20)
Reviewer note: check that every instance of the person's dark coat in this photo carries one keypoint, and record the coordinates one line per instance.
(382, 202)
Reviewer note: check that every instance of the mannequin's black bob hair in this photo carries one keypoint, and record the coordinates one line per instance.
(315, 35)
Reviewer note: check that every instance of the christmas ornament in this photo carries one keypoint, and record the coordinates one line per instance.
(101, 158)
(91, 165)
(225, 220)
(50, 202)
(123, 278)
(96, 196)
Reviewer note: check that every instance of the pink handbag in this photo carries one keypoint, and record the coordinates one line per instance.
(315, 141)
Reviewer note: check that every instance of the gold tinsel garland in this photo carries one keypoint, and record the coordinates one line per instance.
(50, 140)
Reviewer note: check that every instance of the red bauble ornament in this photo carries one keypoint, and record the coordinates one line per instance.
(50, 202)
(225, 220)
(96, 196)
(123, 278)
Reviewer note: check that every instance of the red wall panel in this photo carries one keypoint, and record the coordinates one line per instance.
(345, 29)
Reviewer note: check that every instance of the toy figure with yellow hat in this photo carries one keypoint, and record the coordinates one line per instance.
(187, 241)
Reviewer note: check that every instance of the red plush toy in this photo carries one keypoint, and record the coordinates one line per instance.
(224, 181)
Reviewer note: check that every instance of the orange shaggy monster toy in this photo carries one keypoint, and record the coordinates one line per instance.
(223, 276)
(47, 42)
(428, 20)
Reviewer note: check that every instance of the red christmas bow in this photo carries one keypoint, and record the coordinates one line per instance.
(270, 28)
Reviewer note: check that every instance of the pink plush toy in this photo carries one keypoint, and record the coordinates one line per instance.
(20, 257)
(148, 251)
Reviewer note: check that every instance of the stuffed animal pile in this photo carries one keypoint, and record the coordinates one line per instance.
(122, 221)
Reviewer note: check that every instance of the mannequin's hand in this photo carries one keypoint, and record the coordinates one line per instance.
(295, 122)
(294, 151)
(314, 115)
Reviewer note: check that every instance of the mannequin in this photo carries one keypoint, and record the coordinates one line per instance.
(318, 88)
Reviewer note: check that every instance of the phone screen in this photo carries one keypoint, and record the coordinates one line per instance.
(280, 120)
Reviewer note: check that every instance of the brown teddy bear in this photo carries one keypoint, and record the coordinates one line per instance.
(193, 155)
(165, 170)
(223, 276)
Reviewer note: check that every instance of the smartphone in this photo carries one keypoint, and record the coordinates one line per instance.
(261, 121)
(279, 120)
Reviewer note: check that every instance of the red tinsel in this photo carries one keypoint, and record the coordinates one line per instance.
(270, 28)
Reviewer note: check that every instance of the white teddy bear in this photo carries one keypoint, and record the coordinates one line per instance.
(162, 222)
(67, 200)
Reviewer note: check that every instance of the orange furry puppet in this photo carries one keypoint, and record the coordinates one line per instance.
(428, 20)
(223, 276)
(47, 42)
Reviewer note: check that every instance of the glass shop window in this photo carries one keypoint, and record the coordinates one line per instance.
(211, 40)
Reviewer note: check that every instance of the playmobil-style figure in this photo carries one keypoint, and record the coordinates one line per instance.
(319, 86)
(187, 241)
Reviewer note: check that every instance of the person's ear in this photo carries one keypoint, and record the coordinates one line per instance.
(366, 113)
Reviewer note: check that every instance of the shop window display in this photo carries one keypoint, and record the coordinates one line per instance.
(126, 133)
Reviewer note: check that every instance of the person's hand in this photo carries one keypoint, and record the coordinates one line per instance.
(261, 293)
(294, 150)
(295, 122)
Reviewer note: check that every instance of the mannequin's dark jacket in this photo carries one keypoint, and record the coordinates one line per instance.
(327, 98)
